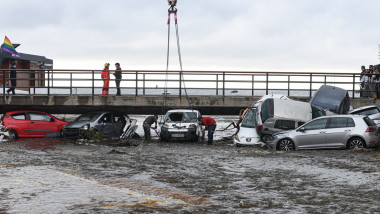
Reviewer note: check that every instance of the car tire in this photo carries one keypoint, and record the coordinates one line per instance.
(285, 145)
(355, 143)
(12, 134)
(238, 145)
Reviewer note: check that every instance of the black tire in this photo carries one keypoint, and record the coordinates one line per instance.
(12, 134)
(238, 145)
(285, 145)
(355, 143)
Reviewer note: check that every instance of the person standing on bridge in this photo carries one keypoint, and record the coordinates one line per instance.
(117, 75)
(12, 78)
(106, 79)
(147, 125)
(210, 125)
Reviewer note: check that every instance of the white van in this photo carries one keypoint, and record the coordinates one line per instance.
(286, 109)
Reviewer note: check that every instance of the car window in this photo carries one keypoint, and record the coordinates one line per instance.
(340, 122)
(19, 116)
(267, 110)
(40, 117)
(119, 118)
(249, 120)
(285, 124)
(90, 117)
(107, 118)
(368, 111)
(369, 122)
(181, 117)
(316, 124)
(317, 112)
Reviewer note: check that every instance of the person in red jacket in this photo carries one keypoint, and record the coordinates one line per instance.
(106, 79)
(210, 125)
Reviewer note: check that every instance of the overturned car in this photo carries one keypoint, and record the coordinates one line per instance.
(181, 124)
(103, 124)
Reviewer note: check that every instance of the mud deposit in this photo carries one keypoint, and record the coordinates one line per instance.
(56, 176)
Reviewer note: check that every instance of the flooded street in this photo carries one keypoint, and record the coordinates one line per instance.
(54, 176)
(63, 176)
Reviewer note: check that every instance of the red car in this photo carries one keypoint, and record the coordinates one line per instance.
(31, 123)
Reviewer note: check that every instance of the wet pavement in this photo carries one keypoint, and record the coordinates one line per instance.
(61, 176)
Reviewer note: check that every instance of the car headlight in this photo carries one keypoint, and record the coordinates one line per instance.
(85, 127)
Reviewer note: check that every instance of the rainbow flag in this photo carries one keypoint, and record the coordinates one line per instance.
(7, 46)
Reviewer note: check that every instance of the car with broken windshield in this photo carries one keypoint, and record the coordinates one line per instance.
(181, 124)
(338, 131)
(103, 124)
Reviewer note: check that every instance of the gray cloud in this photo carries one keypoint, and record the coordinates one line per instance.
(284, 35)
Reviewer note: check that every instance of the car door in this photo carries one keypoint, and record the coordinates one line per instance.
(338, 132)
(39, 124)
(105, 125)
(312, 135)
(118, 124)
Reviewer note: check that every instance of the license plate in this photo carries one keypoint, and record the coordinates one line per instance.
(178, 135)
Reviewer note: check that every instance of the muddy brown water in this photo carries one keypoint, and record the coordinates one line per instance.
(64, 176)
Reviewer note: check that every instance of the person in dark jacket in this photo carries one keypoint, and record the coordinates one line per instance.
(117, 75)
(147, 125)
(12, 78)
(210, 125)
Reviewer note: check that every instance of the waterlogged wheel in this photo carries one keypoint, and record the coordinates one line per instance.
(12, 134)
(355, 143)
(285, 145)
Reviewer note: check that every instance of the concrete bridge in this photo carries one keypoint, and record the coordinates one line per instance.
(142, 104)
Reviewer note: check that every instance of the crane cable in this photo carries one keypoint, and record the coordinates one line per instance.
(171, 10)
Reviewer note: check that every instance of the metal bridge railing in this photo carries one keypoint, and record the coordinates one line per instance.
(192, 83)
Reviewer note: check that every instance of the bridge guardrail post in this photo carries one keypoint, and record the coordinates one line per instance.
(137, 83)
(217, 84)
(71, 83)
(353, 87)
(93, 84)
(311, 85)
(267, 84)
(48, 89)
(180, 84)
(288, 85)
(253, 85)
(224, 84)
(143, 84)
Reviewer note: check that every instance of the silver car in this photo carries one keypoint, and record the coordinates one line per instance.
(339, 131)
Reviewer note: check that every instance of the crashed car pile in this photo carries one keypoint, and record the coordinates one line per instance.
(327, 121)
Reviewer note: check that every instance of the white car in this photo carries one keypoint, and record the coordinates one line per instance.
(181, 124)
(247, 134)
(372, 111)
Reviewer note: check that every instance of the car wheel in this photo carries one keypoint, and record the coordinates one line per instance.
(355, 143)
(12, 134)
(238, 145)
(285, 145)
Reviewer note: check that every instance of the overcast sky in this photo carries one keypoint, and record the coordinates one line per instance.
(241, 35)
